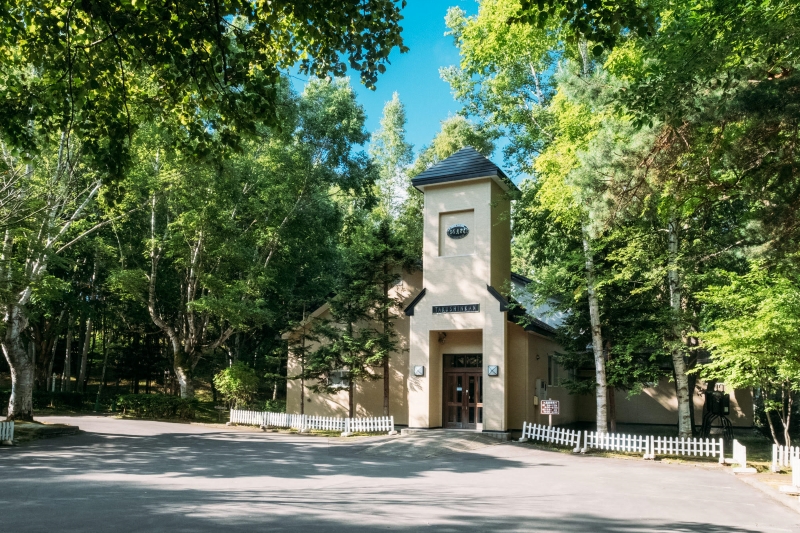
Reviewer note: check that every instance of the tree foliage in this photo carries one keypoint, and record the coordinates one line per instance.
(751, 329)
(238, 384)
(210, 72)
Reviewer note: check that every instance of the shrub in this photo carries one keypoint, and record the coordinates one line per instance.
(156, 406)
(275, 406)
(43, 399)
(59, 400)
(238, 384)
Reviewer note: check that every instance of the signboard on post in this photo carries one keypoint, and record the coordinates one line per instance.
(550, 408)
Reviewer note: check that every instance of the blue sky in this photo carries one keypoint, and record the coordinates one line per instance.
(415, 74)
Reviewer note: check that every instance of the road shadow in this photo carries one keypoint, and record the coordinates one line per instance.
(227, 454)
(248, 482)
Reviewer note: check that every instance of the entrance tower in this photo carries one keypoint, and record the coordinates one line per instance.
(459, 316)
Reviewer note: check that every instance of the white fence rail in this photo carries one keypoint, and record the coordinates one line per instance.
(552, 434)
(617, 442)
(683, 446)
(382, 424)
(783, 455)
(6, 431)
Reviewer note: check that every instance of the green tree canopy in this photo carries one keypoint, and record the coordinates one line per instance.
(208, 71)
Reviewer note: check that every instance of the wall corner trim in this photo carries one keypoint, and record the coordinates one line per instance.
(409, 310)
(499, 297)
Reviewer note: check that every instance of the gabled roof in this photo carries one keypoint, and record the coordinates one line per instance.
(465, 164)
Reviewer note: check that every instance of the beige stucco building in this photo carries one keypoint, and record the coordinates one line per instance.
(464, 361)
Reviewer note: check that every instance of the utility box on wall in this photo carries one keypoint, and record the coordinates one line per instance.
(541, 389)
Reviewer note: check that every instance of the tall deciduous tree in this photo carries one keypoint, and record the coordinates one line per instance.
(392, 155)
(58, 198)
(215, 232)
(95, 69)
(751, 331)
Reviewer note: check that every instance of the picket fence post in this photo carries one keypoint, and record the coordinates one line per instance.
(7, 432)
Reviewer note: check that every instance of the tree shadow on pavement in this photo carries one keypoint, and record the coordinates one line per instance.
(228, 481)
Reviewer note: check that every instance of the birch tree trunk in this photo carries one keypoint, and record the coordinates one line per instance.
(66, 373)
(787, 439)
(678, 360)
(183, 372)
(85, 354)
(105, 366)
(89, 331)
(303, 366)
(20, 405)
(50, 366)
(385, 327)
(351, 402)
(601, 393)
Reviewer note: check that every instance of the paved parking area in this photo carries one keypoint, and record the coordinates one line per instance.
(132, 476)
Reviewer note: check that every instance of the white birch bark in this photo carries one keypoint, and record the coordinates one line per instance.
(678, 359)
(601, 394)
(88, 338)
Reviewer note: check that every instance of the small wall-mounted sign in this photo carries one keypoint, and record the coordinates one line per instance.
(466, 308)
(457, 231)
(419, 370)
(493, 370)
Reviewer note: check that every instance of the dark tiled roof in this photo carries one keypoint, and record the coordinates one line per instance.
(519, 316)
(465, 164)
(519, 278)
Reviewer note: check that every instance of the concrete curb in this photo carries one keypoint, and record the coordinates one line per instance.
(792, 502)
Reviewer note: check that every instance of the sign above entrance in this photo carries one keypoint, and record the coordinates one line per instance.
(457, 231)
(550, 407)
(466, 308)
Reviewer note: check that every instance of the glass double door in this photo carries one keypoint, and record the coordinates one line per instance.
(463, 399)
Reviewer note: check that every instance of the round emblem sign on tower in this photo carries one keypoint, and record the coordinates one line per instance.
(457, 231)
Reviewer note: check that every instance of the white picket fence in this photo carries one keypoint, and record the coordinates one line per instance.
(325, 423)
(684, 446)
(6, 431)
(739, 454)
(616, 442)
(783, 455)
(552, 434)
(648, 445)
(379, 424)
(795, 465)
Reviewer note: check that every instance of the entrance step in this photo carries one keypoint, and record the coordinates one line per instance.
(504, 436)
(426, 443)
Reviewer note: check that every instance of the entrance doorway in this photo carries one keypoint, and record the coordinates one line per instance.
(463, 391)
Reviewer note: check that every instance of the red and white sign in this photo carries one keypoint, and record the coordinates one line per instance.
(550, 407)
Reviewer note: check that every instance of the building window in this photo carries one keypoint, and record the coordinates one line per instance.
(463, 361)
(553, 374)
(339, 380)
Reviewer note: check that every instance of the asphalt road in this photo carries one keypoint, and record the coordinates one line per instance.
(132, 476)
